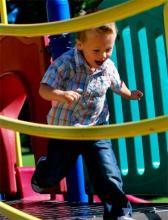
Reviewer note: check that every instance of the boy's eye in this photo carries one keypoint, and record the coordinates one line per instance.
(96, 51)
(109, 50)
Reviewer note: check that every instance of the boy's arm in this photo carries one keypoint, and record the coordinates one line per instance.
(120, 88)
(128, 94)
(50, 94)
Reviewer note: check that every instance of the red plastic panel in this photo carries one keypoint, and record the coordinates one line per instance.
(28, 58)
(24, 175)
(12, 98)
(23, 62)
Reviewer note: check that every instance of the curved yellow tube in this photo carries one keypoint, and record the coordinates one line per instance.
(14, 214)
(129, 129)
(114, 13)
(3, 12)
(19, 162)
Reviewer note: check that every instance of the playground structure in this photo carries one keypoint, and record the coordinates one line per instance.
(19, 81)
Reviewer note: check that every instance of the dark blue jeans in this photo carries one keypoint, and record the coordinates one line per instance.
(102, 169)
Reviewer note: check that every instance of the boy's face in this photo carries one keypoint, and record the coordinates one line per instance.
(97, 47)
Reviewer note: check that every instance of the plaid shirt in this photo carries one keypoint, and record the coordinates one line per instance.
(71, 72)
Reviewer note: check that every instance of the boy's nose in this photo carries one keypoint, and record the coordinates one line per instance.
(104, 55)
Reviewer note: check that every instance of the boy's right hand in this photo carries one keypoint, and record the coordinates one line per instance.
(70, 96)
(51, 94)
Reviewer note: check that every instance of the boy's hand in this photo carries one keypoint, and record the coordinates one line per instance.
(136, 95)
(128, 94)
(70, 96)
(51, 94)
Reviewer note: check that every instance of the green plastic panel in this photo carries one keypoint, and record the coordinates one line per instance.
(140, 56)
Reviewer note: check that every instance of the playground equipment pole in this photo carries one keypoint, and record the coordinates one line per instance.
(3, 10)
(59, 10)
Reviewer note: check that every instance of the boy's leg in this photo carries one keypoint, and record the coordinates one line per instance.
(106, 178)
(51, 169)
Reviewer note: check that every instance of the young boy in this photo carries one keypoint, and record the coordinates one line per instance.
(77, 82)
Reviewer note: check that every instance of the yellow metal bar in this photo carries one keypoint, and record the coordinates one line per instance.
(129, 129)
(166, 23)
(3, 12)
(115, 13)
(19, 161)
(14, 214)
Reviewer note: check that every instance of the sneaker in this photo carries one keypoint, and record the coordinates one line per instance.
(42, 188)
(37, 189)
(39, 167)
(124, 217)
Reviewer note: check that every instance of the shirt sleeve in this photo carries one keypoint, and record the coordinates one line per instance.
(55, 75)
(116, 82)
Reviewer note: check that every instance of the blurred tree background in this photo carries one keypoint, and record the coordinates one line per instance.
(34, 11)
(76, 6)
(26, 11)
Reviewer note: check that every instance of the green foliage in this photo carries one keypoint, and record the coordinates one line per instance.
(76, 6)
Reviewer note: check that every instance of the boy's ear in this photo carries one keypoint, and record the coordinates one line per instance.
(79, 44)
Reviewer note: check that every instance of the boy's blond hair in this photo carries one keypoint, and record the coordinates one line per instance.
(104, 29)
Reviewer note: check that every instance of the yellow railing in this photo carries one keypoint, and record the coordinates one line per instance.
(3, 12)
(129, 129)
(19, 161)
(14, 214)
(115, 13)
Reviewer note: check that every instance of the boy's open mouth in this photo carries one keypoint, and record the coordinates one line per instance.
(99, 63)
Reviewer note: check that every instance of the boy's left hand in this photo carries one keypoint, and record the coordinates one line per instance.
(136, 95)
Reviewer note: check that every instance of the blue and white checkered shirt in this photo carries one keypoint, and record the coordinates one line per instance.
(71, 72)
